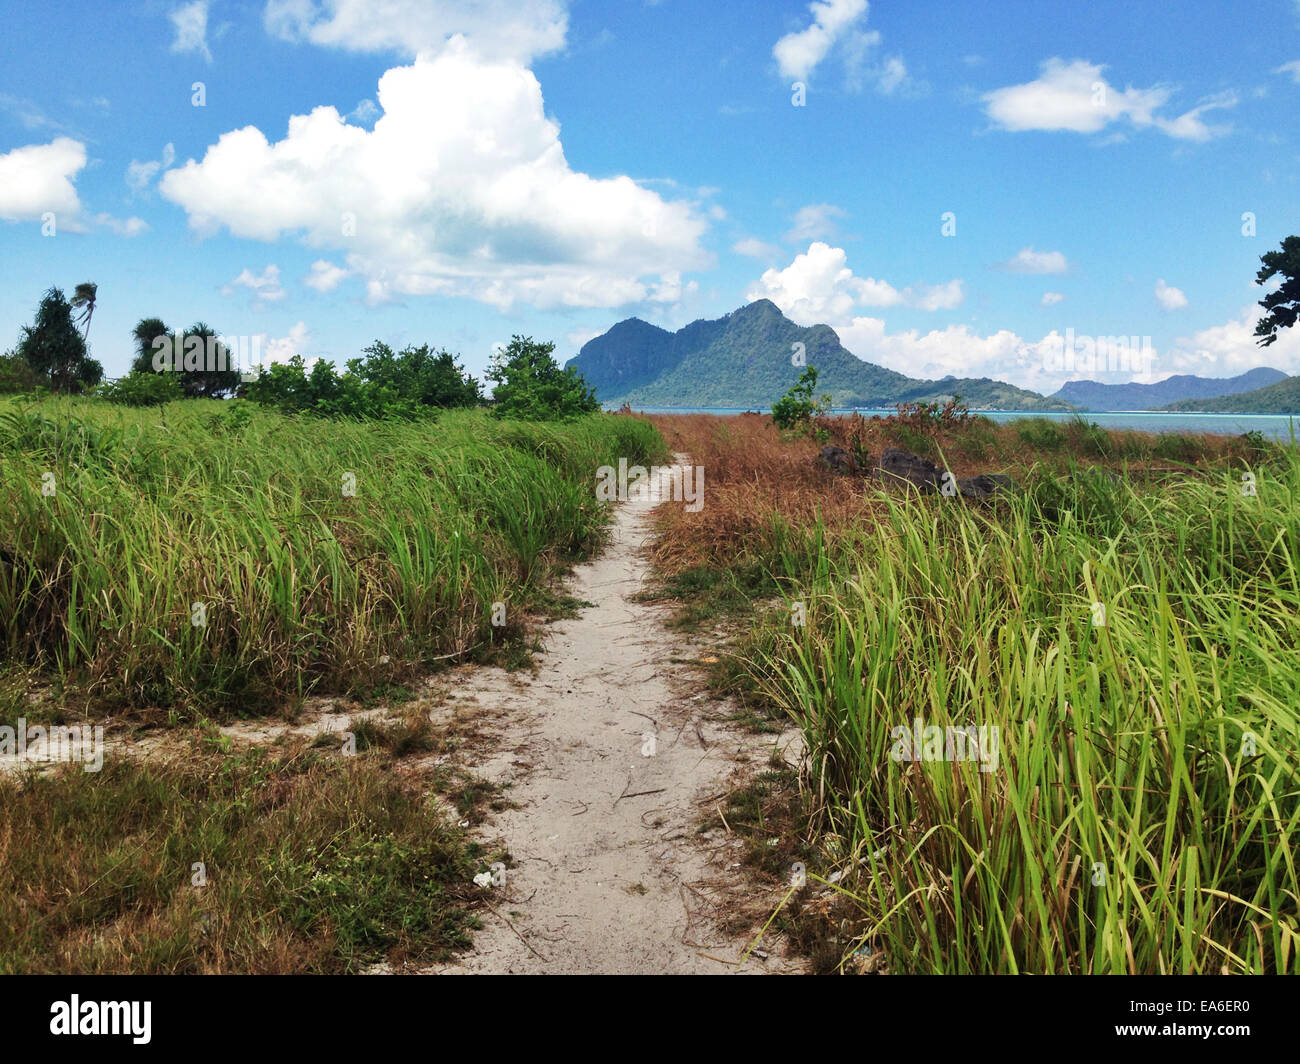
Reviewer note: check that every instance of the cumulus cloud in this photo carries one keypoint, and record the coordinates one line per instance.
(1075, 96)
(279, 349)
(1050, 299)
(936, 297)
(815, 222)
(1229, 349)
(1169, 297)
(499, 29)
(1292, 68)
(1027, 260)
(838, 26)
(472, 197)
(325, 276)
(799, 54)
(40, 178)
(819, 287)
(127, 227)
(754, 248)
(266, 287)
(365, 113)
(190, 22)
(140, 174)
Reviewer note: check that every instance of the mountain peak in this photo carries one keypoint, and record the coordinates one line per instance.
(744, 359)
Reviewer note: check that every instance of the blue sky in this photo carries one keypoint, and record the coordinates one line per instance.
(550, 168)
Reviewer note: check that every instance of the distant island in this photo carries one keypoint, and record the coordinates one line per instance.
(1280, 398)
(744, 359)
(1090, 395)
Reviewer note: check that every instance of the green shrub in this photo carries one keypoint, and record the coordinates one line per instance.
(1177, 447)
(17, 377)
(797, 408)
(142, 389)
(530, 385)
(1040, 433)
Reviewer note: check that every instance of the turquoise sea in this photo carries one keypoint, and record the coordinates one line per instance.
(1277, 426)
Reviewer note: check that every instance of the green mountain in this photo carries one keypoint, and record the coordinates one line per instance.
(1280, 398)
(1089, 395)
(744, 360)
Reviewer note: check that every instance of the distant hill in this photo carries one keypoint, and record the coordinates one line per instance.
(743, 360)
(1280, 398)
(1089, 395)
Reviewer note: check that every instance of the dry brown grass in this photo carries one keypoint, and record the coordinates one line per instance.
(757, 478)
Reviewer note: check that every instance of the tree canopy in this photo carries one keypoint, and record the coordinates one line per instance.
(1283, 304)
(530, 384)
(55, 350)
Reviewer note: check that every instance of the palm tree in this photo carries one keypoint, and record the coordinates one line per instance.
(83, 299)
(145, 333)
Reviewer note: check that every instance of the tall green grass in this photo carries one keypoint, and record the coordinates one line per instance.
(245, 512)
(1141, 814)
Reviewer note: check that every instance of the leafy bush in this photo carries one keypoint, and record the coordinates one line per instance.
(530, 385)
(143, 389)
(1089, 437)
(17, 377)
(54, 349)
(1178, 447)
(797, 408)
(1040, 433)
(418, 374)
(291, 389)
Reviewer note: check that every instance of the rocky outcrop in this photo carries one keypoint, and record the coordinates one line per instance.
(838, 459)
(984, 485)
(921, 473)
(897, 466)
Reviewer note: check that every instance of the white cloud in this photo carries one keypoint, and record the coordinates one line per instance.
(1027, 260)
(365, 113)
(819, 287)
(190, 21)
(140, 174)
(39, 178)
(815, 222)
(838, 26)
(266, 287)
(799, 54)
(499, 29)
(892, 75)
(754, 248)
(936, 297)
(1229, 349)
(1169, 297)
(578, 337)
(325, 276)
(1050, 299)
(127, 227)
(472, 197)
(1292, 68)
(1075, 96)
(283, 348)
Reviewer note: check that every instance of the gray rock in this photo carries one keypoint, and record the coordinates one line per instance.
(838, 459)
(984, 485)
(896, 464)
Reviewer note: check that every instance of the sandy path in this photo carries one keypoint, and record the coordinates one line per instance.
(611, 874)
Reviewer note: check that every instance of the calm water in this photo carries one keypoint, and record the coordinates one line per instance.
(1277, 426)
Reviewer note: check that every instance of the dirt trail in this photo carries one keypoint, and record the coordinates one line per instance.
(611, 874)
